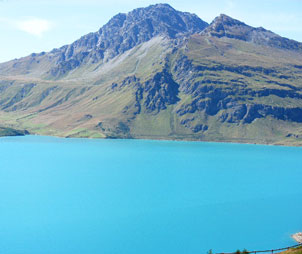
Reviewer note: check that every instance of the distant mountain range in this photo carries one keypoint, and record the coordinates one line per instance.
(160, 73)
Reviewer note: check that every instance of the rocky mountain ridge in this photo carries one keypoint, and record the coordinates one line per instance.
(121, 33)
(225, 26)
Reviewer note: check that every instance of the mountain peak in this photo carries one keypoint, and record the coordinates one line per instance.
(162, 6)
(226, 19)
(125, 31)
(165, 19)
(225, 26)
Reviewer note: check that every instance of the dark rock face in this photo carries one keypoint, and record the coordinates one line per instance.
(225, 26)
(117, 130)
(155, 94)
(12, 132)
(285, 114)
(161, 91)
(131, 80)
(213, 101)
(188, 123)
(232, 103)
(125, 31)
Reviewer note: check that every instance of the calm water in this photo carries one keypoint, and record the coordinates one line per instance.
(76, 196)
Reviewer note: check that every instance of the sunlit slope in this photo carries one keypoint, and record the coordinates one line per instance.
(75, 105)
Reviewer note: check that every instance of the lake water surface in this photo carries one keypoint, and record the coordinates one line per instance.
(79, 196)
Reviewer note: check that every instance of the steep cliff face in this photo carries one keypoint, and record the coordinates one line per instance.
(160, 73)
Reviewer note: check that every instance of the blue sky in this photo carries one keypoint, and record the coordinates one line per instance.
(28, 26)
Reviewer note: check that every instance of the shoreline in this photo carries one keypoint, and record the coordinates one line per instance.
(164, 139)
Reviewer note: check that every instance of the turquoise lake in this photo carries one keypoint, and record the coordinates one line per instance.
(81, 196)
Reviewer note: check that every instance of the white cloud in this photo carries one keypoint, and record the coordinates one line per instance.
(34, 26)
(230, 5)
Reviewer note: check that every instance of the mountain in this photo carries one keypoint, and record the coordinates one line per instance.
(121, 33)
(160, 73)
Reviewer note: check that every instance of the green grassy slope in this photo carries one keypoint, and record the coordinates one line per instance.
(75, 105)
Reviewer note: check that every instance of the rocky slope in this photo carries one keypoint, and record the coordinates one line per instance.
(225, 26)
(160, 73)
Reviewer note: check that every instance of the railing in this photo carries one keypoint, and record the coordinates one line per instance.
(262, 251)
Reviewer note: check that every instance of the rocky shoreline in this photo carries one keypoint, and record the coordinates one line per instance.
(297, 237)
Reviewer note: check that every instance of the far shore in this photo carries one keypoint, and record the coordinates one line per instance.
(176, 139)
